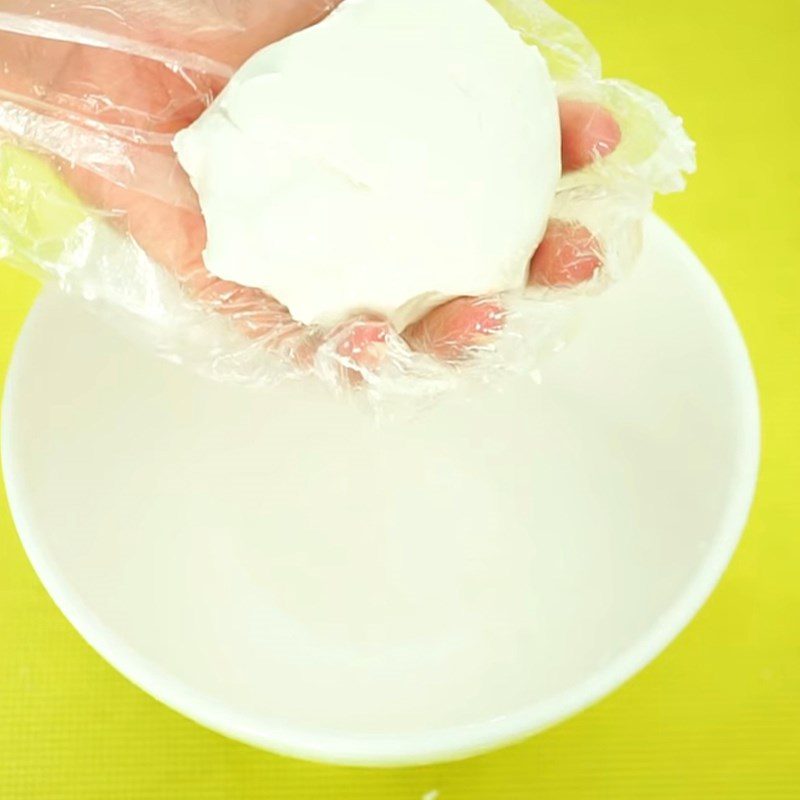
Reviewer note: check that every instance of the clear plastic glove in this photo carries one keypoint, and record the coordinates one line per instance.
(100, 90)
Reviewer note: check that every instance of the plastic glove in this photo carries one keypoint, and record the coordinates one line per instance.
(100, 90)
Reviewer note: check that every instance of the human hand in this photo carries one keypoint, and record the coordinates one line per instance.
(141, 102)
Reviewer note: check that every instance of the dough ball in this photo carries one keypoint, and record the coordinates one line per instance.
(395, 155)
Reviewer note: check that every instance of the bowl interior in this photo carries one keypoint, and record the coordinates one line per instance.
(276, 566)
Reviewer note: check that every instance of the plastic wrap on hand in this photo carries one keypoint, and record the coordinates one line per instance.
(91, 194)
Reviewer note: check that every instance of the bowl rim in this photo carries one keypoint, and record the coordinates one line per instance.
(379, 750)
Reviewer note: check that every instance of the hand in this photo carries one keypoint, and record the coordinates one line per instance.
(120, 92)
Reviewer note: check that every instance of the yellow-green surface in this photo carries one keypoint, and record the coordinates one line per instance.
(716, 716)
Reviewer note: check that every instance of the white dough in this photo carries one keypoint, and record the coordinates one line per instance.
(397, 154)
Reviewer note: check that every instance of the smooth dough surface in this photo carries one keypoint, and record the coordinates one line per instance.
(397, 154)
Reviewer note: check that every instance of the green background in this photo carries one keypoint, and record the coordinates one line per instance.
(718, 714)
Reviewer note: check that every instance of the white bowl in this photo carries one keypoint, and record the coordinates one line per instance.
(276, 568)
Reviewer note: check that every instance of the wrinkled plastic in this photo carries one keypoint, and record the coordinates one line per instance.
(91, 194)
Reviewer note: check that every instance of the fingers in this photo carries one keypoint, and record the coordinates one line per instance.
(588, 132)
(568, 255)
(361, 348)
(451, 330)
